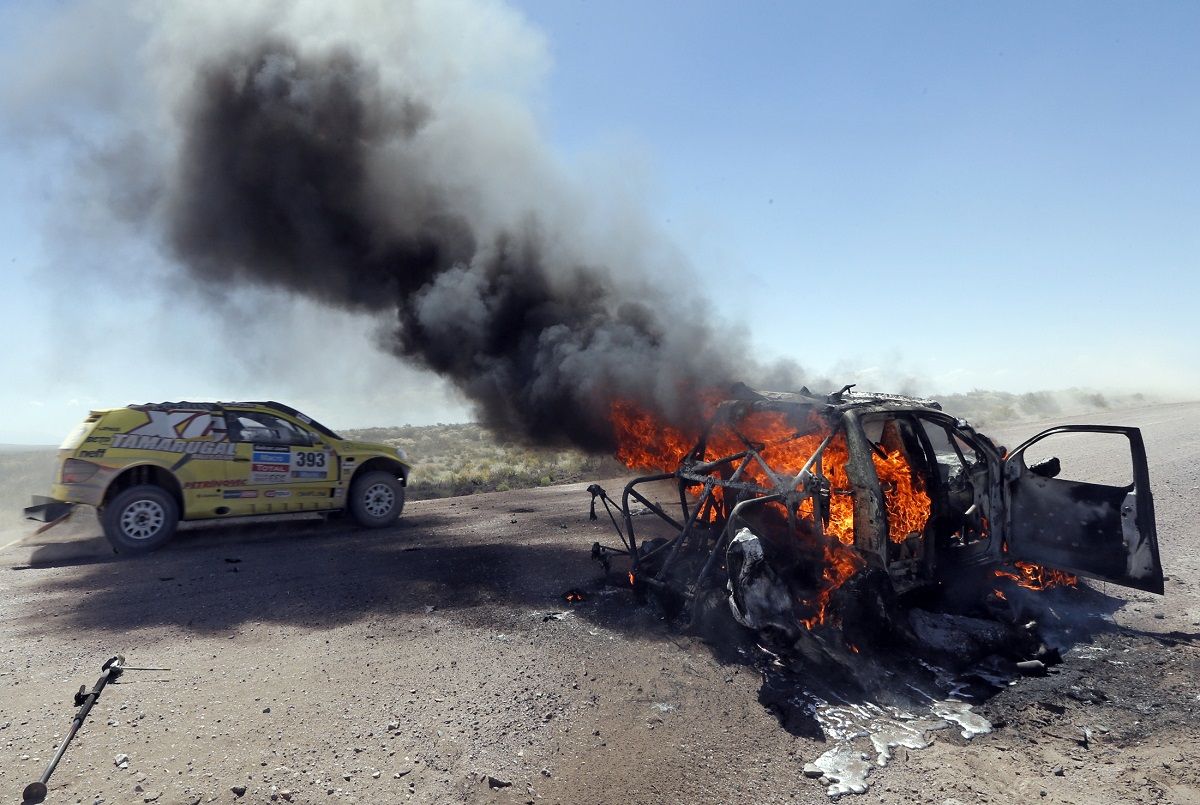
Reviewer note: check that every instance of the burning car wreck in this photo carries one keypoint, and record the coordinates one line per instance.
(829, 527)
(817, 489)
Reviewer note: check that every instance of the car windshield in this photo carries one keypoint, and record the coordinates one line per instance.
(315, 425)
(305, 418)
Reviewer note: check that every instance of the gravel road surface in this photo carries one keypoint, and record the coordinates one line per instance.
(438, 661)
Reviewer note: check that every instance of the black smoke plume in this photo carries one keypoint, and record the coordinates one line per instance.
(296, 171)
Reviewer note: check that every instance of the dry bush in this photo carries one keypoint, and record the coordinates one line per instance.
(450, 460)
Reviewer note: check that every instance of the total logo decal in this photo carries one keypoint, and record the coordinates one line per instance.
(271, 464)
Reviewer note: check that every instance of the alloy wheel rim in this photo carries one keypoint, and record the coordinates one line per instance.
(379, 499)
(142, 519)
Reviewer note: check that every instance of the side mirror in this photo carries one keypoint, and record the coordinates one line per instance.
(1047, 468)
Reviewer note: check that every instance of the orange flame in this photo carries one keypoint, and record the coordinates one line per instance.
(908, 505)
(645, 443)
(785, 446)
(840, 564)
(1037, 577)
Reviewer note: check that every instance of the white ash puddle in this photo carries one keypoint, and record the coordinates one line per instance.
(844, 767)
(1087, 651)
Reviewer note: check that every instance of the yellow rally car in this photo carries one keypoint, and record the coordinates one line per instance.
(146, 467)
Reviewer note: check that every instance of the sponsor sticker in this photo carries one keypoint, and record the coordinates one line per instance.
(308, 473)
(277, 493)
(271, 457)
(215, 484)
(312, 493)
(262, 473)
(92, 453)
(195, 449)
(245, 493)
(181, 424)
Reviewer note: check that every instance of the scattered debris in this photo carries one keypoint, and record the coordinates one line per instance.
(1032, 667)
(84, 700)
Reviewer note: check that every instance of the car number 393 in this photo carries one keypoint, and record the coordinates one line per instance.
(310, 460)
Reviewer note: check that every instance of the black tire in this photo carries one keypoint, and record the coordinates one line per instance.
(376, 499)
(140, 519)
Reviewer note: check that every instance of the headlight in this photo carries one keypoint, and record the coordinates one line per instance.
(400, 452)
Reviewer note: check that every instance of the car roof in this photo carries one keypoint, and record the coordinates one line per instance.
(214, 406)
(842, 400)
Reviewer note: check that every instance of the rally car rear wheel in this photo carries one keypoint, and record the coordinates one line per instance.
(376, 499)
(140, 518)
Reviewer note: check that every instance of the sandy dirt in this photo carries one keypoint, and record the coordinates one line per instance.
(437, 661)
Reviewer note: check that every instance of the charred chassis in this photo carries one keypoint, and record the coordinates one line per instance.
(986, 506)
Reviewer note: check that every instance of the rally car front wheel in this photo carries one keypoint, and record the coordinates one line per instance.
(140, 518)
(376, 499)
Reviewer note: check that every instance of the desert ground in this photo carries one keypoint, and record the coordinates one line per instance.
(437, 661)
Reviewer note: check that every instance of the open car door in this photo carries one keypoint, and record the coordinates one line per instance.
(1096, 530)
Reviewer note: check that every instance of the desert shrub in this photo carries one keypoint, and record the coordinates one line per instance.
(451, 460)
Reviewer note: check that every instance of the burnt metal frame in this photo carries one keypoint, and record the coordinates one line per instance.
(791, 490)
(844, 411)
(985, 551)
(870, 511)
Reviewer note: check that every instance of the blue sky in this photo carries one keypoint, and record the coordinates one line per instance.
(1019, 178)
(998, 196)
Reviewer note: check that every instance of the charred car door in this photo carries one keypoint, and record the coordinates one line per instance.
(1104, 531)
